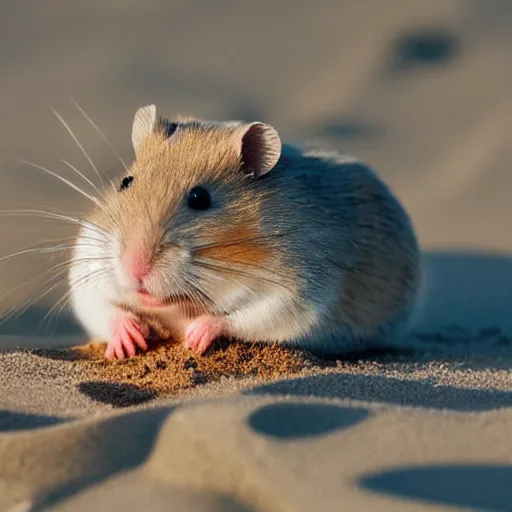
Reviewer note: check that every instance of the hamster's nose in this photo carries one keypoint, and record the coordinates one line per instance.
(136, 263)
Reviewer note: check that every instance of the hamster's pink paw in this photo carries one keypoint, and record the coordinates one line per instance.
(200, 334)
(128, 335)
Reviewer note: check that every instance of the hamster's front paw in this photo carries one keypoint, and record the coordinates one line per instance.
(129, 334)
(202, 331)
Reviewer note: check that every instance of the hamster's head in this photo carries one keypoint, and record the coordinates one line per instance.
(185, 221)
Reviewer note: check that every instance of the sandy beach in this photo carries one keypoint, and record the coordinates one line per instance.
(421, 91)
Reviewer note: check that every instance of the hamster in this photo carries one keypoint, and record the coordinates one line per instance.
(221, 230)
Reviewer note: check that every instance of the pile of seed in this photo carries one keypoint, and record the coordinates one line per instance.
(169, 369)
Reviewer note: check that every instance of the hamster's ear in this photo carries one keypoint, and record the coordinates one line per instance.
(144, 123)
(260, 148)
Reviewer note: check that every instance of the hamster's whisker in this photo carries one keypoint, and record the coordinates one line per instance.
(60, 268)
(85, 259)
(82, 175)
(202, 296)
(59, 278)
(92, 198)
(238, 241)
(59, 271)
(21, 308)
(28, 281)
(94, 239)
(102, 232)
(100, 133)
(230, 270)
(46, 247)
(37, 209)
(74, 288)
(30, 204)
(74, 137)
(211, 278)
(166, 279)
(231, 279)
(63, 301)
(50, 248)
(55, 216)
(196, 294)
(214, 261)
(195, 298)
(77, 283)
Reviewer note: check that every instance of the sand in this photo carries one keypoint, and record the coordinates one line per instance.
(420, 90)
(171, 369)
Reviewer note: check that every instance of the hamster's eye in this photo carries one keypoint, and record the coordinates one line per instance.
(199, 199)
(125, 183)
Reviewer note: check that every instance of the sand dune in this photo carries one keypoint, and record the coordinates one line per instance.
(421, 90)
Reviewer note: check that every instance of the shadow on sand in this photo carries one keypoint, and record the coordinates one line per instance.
(478, 487)
(289, 421)
(387, 390)
(11, 421)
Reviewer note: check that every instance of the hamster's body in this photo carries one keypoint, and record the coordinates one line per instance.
(362, 276)
(317, 253)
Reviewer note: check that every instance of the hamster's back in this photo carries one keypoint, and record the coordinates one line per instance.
(354, 244)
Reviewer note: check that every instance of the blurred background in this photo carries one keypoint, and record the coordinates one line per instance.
(420, 90)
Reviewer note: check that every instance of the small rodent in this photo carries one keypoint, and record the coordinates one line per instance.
(218, 229)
